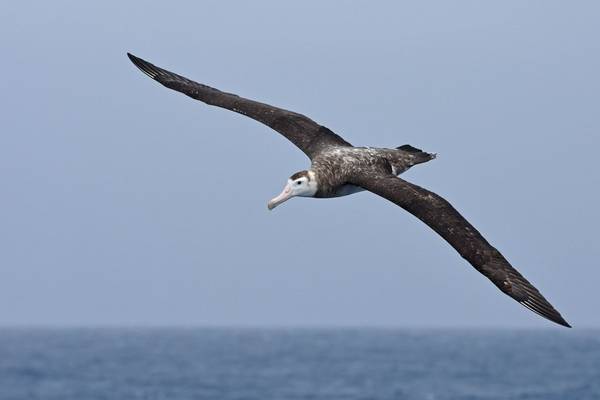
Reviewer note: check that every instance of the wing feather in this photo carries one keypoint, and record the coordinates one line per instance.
(440, 216)
(306, 134)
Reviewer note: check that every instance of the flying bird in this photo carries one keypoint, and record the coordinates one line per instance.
(340, 169)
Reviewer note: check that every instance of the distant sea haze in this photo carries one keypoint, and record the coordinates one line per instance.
(264, 364)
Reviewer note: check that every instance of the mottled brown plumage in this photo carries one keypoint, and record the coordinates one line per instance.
(339, 169)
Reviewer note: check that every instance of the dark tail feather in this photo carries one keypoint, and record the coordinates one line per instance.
(409, 148)
(420, 155)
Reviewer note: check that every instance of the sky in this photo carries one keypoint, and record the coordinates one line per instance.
(124, 203)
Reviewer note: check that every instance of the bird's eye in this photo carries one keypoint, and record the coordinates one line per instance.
(298, 183)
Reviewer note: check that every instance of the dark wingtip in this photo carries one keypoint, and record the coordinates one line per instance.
(559, 320)
(563, 323)
(134, 59)
(555, 317)
(541, 307)
(144, 66)
(138, 62)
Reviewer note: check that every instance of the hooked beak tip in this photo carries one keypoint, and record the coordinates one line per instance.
(284, 196)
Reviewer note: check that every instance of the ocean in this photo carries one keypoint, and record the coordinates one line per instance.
(264, 364)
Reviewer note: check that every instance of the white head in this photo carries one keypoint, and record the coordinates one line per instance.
(301, 184)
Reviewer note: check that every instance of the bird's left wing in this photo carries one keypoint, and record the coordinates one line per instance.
(440, 216)
(305, 133)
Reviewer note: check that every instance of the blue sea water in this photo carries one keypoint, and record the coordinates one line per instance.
(263, 364)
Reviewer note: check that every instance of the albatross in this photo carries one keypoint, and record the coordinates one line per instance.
(340, 169)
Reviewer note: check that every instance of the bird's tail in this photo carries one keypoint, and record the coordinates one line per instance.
(420, 155)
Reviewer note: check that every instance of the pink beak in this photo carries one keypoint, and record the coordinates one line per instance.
(285, 195)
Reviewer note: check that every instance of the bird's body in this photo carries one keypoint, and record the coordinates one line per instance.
(334, 167)
(339, 169)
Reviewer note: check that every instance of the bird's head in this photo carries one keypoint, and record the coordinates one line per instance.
(303, 184)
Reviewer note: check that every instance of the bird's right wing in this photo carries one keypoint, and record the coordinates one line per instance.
(306, 134)
(440, 216)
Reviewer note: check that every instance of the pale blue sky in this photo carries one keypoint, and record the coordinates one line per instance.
(126, 203)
